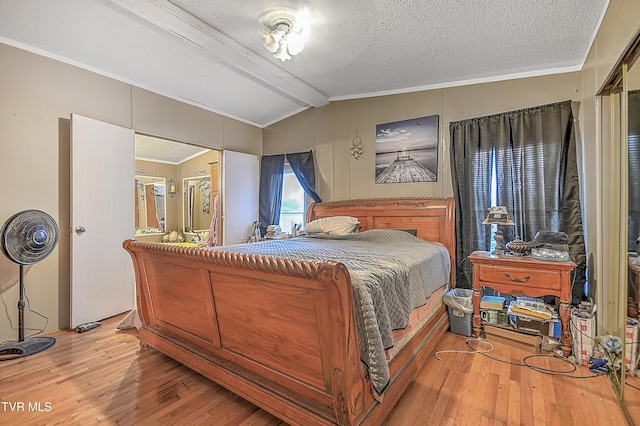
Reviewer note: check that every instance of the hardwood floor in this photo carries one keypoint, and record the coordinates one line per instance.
(102, 377)
(632, 398)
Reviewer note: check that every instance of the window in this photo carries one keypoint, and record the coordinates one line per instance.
(524, 160)
(293, 200)
(283, 193)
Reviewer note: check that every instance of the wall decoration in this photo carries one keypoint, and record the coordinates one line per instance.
(407, 151)
(356, 146)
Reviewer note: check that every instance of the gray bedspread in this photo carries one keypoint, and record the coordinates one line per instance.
(392, 272)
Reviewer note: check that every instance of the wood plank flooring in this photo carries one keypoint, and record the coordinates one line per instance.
(102, 377)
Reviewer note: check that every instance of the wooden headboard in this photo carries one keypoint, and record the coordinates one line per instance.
(432, 218)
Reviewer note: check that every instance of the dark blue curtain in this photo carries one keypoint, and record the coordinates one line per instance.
(302, 165)
(270, 199)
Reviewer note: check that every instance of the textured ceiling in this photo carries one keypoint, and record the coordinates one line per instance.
(166, 151)
(209, 52)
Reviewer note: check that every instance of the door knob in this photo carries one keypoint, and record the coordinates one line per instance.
(80, 230)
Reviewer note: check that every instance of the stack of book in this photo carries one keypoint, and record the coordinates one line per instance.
(493, 303)
(273, 231)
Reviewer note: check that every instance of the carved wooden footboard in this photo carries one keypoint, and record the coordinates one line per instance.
(278, 332)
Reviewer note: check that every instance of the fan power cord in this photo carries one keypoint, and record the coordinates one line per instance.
(28, 306)
(46, 318)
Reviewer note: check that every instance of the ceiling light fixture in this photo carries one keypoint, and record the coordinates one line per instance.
(286, 32)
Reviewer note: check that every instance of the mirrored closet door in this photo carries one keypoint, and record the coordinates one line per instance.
(620, 118)
(631, 392)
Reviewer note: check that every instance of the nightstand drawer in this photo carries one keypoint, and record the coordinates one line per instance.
(520, 277)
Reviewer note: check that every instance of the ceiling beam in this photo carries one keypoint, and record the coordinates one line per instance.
(227, 52)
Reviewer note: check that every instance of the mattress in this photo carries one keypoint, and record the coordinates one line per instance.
(418, 318)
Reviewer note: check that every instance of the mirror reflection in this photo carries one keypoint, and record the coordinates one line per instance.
(633, 112)
(150, 205)
(197, 204)
(632, 381)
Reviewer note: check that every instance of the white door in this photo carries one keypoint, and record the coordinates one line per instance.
(240, 181)
(102, 217)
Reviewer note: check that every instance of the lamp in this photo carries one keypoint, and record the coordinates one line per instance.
(498, 216)
(171, 188)
(287, 31)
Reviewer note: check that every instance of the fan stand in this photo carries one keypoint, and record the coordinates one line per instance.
(24, 347)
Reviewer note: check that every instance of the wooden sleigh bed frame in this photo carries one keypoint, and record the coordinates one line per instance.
(281, 333)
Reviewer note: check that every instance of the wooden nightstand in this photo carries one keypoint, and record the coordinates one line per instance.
(523, 276)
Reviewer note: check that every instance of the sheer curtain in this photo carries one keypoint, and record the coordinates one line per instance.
(532, 154)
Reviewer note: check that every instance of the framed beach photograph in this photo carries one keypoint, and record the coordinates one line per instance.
(407, 150)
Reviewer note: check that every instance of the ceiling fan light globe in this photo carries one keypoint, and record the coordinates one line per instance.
(282, 52)
(270, 42)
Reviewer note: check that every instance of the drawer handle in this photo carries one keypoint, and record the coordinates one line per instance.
(518, 280)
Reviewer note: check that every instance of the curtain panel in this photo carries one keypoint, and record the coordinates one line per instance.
(302, 165)
(532, 154)
(270, 198)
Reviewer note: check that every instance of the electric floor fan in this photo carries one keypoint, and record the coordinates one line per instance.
(26, 238)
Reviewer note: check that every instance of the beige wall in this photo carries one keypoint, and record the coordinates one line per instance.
(329, 130)
(38, 96)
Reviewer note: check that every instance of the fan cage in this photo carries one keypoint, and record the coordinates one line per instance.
(29, 236)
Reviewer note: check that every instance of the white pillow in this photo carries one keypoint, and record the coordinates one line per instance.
(334, 225)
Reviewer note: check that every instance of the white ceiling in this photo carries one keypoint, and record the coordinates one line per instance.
(209, 53)
(165, 151)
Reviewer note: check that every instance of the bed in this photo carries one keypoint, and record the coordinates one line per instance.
(287, 333)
